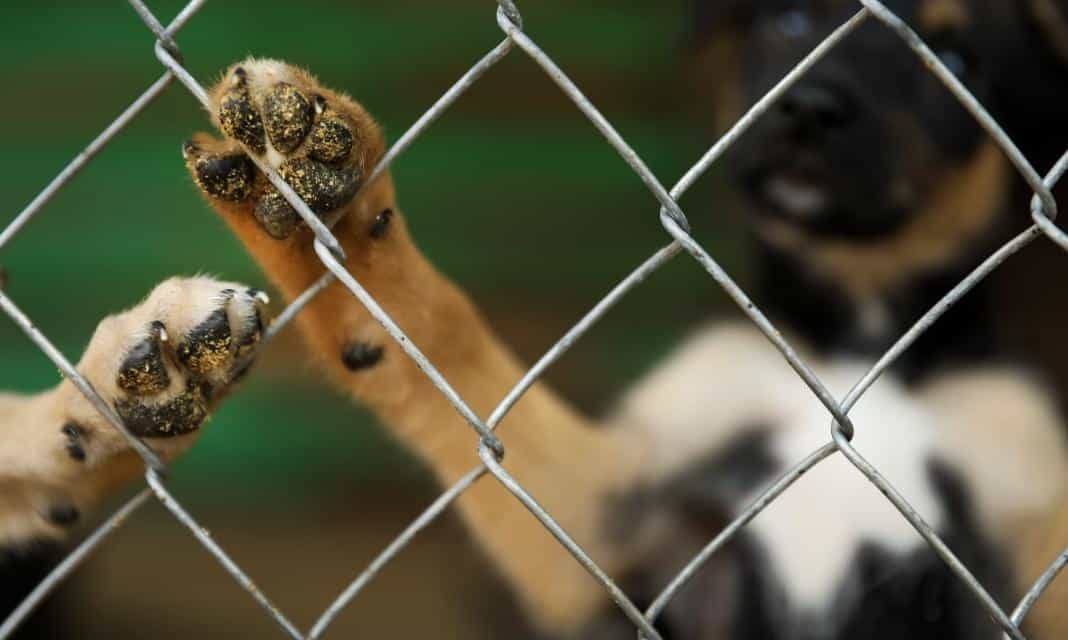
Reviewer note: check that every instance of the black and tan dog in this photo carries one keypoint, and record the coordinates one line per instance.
(868, 181)
(871, 192)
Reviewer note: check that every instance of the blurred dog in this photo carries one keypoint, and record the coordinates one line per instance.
(868, 183)
(871, 193)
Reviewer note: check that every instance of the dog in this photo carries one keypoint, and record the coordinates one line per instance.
(867, 202)
(871, 191)
(849, 261)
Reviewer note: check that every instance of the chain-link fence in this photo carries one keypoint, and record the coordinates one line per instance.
(491, 450)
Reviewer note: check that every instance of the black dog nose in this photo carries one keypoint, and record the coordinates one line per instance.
(817, 105)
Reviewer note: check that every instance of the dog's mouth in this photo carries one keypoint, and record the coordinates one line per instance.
(791, 192)
(796, 195)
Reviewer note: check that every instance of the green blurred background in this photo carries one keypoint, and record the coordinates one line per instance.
(513, 193)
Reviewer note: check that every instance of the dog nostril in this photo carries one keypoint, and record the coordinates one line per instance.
(817, 105)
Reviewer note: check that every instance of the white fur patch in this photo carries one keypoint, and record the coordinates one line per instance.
(713, 389)
(995, 427)
(812, 533)
(729, 379)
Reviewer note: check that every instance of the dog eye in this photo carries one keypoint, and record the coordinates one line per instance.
(793, 23)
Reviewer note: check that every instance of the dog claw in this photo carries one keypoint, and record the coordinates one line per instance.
(259, 296)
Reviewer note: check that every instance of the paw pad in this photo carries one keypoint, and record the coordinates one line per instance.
(283, 118)
(181, 415)
(360, 355)
(323, 187)
(207, 347)
(200, 337)
(330, 140)
(62, 514)
(227, 177)
(275, 214)
(287, 115)
(238, 118)
(381, 224)
(75, 434)
(143, 371)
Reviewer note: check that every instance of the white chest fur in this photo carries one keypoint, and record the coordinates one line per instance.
(728, 380)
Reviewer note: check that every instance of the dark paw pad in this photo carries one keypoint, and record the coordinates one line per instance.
(178, 416)
(62, 514)
(381, 224)
(207, 347)
(225, 177)
(360, 355)
(143, 371)
(237, 116)
(330, 141)
(323, 187)
(276, 215)
(75, 434)
(287, 116)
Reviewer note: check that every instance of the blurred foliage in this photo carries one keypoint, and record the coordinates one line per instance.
(513, 193)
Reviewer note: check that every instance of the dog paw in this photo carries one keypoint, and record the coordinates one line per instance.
(165, 363)
(321, 143)
(162, 366)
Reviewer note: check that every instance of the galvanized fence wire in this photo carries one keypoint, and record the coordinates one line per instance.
(491, 450)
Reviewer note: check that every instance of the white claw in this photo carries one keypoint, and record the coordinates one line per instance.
(262, 297)
(163, 337)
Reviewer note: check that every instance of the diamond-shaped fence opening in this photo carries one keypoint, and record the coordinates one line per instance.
(491, 451)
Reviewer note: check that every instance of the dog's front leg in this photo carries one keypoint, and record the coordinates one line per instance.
(325, 145)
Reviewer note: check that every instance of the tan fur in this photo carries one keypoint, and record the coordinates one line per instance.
(937, 15)
(1001, 419)
(1040, 547)
(1005, 434)
(568, 466)
(959, 211)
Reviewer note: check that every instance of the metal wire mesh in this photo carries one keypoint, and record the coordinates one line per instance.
(491, 451)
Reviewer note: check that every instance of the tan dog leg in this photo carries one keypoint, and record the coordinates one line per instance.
(163, 365)
(1049, 618)
(324, 144)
